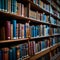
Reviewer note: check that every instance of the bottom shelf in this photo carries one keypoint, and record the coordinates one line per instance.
(42, 52)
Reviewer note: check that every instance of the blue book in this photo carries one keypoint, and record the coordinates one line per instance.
(1, 56)
(5, 5)
(21, 52)
(34, 1)
(44, 18)
(13, 6)
(2, 5)
(25, 31)
(14, 28)
(10, 54)
(14, 53)
(32, 31)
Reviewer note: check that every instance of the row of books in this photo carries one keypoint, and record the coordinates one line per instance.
(54, 12)
(42, 17)
(55, 5)
(53, 20)
(14, 7)
(14, 30)
(39, 16)
(14, 53)
(23, 50)
(41, 4)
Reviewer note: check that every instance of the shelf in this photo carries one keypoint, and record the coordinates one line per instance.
(53, 47)
(43, 52)
(56, 3)
(36, 7)
(46, 1)
(39, 54)
(15, 40)
(55, 8)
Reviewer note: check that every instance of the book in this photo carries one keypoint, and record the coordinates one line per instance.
(5, 5)
(1, 54)
(14, 28)
(22, 9)
(19, 9)
(5, 53)
(9, 6)
(14, 54)
(10, 54)
(7, 30)
(19, 30)
(2, 30)
(2, 5)
(13, 6)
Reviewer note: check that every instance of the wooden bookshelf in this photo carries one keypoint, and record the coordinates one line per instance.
(42, 52)
(45, 26)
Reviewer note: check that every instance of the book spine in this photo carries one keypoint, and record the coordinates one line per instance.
(13, 6)
(18, 52)
(9, 6)
(5, 53)
(11, 31)
(18, 8)
(22, 6)
(10, 54)
(7, 30)
(2, 5)
(19, 30)
(22, 30)
(25, 31)
(5, 5)
(2, 30)
(14, 29)
(14, 53)
(1, 54)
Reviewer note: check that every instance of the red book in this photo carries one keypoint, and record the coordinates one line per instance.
(5, 53)
(7, 30)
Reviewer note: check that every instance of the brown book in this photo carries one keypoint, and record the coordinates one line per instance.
(25, 11)
(7, 30)
(19, 30)
(5, 53)
(2, 33)
(2, 30)
(18, 52)
(11, 31)
(18, 8)
(22, 10)
(41, 4)
(9, 6)
(38, 16)
(27, 30)
(22, 30)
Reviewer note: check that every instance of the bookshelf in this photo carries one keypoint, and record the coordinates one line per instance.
(30, 29)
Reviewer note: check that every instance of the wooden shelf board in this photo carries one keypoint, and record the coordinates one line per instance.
(15, 40)
(41, 53)
(44, 51)
(53, 47)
